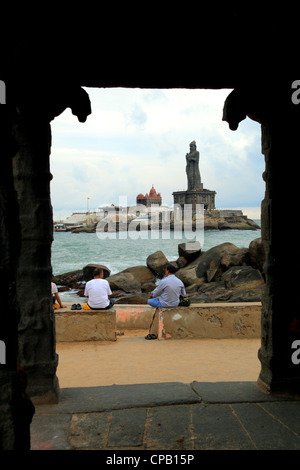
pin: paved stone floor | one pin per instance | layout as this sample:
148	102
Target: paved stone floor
168	416
138	395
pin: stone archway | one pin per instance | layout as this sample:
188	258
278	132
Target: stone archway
36	329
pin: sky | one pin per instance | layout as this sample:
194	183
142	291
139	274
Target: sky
136	138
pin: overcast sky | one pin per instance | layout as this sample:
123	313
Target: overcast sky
135	138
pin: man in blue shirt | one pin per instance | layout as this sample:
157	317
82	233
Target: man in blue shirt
167	293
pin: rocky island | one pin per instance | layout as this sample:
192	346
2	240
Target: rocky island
213	220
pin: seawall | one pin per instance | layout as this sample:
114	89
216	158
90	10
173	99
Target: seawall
206	320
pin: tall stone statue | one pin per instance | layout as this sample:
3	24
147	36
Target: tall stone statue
195	194
192	168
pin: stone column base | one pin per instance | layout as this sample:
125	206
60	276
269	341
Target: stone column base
43	385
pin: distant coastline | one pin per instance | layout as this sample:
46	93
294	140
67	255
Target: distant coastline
112	219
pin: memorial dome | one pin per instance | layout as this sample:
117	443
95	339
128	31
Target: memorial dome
152	193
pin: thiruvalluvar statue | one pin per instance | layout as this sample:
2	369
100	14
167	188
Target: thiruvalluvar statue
192	168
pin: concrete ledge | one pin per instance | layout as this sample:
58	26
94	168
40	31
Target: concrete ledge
209	320
214	321
85	325
134	317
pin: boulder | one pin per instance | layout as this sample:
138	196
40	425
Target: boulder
215	259
257	254
245	277
117	293
189	276
189	250
219	292
125	282
234	257
204	268
88	271
148	286
157	262
72	279
211	292
181	262
253	224
141	273
210	265
247	295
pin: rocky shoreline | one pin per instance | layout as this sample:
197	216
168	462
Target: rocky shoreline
224	273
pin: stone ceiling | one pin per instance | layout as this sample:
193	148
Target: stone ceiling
205	48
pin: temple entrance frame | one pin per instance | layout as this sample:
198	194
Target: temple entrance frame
27	234
278	373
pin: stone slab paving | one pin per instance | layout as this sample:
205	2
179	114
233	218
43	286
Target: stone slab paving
168	416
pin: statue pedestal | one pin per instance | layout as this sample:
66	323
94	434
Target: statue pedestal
194	197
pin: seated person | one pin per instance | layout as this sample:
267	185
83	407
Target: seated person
97	291
57	303
167	293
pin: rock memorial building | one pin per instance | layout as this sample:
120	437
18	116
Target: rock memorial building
151	199
195	194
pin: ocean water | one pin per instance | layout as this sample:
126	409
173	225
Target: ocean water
72	251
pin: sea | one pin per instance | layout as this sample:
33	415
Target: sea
118	251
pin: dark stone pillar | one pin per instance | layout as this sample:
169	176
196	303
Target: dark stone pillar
270	103
16	410
9	247
280	312
36	327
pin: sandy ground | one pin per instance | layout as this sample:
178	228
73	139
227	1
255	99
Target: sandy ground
132	360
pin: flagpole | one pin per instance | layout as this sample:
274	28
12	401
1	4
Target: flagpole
87	204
